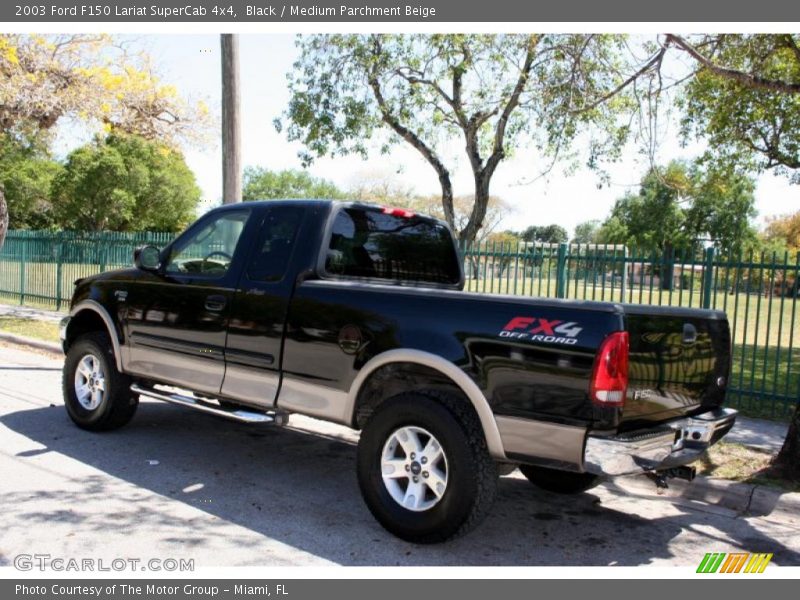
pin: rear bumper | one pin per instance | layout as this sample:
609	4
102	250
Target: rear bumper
670	445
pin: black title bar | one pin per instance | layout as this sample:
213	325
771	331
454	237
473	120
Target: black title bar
383	11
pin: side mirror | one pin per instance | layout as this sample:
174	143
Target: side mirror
147	258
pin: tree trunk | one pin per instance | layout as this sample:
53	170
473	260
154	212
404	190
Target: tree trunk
475	222
787	463
447	199
231	125
3	217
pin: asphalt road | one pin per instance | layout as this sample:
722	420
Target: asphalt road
179	484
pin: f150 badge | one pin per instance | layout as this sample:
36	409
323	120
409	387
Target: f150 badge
537	329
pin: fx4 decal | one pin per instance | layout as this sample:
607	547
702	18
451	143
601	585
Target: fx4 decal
537	329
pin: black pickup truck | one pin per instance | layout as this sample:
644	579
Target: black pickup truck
356	314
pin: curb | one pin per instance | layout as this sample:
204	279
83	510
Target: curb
745	499
49	347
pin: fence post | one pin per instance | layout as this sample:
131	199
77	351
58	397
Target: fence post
708	276
624	272
59	269
22	260
561	271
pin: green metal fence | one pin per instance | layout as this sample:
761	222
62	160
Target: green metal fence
759	292
39	267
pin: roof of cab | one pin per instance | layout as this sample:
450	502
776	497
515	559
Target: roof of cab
320	202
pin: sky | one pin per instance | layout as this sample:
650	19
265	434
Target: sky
191	62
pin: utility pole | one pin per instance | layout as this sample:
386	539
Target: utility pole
231	124
3	216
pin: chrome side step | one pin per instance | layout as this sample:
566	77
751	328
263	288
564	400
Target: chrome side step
241	415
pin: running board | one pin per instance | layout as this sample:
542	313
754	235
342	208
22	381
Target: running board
241	415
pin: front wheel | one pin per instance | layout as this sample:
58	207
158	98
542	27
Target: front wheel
96	394
423	467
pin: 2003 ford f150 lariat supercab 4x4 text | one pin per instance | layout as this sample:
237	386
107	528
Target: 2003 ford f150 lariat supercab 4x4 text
355	314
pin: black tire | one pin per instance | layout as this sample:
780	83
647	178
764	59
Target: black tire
560	482
118	403
471	473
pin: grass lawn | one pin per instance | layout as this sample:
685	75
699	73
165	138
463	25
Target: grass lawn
741	463
32	328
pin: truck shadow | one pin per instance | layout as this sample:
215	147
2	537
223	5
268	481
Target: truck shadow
299	488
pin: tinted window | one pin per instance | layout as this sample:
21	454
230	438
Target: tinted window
274	244
371	243
209	250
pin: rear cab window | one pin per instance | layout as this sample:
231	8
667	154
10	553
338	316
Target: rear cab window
391	245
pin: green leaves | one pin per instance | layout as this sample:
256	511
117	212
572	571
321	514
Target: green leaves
681	204
747	125
489	94
263	184
125	183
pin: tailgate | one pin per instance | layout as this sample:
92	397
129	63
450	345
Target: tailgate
679	363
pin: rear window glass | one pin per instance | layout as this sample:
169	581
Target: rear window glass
371	243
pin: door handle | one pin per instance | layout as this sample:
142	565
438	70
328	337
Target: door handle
215	303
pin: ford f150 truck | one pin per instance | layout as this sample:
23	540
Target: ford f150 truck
356	314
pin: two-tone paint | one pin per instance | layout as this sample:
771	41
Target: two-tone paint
311	342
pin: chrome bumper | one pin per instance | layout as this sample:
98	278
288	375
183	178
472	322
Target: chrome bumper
669	445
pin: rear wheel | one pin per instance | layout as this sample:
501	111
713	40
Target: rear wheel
97	396
560	482
423	467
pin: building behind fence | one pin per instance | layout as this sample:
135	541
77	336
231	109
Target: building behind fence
759	292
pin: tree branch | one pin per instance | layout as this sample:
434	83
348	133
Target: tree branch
747	79
413	139
498	152
653	62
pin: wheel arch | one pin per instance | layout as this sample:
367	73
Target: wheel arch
446	373
90	315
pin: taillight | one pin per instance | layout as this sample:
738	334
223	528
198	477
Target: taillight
610	375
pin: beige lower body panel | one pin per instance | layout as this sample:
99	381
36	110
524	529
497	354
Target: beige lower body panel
542	442
257	387
172	368
314	400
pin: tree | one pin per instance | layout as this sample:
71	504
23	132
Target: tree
744	99
44	79
680	204
91	79
586	232
495	92
548	234
262	184
125	183
784	229
26	174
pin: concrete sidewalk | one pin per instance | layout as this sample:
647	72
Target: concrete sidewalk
27	312
758	433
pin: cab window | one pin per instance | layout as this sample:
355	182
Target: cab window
209	250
